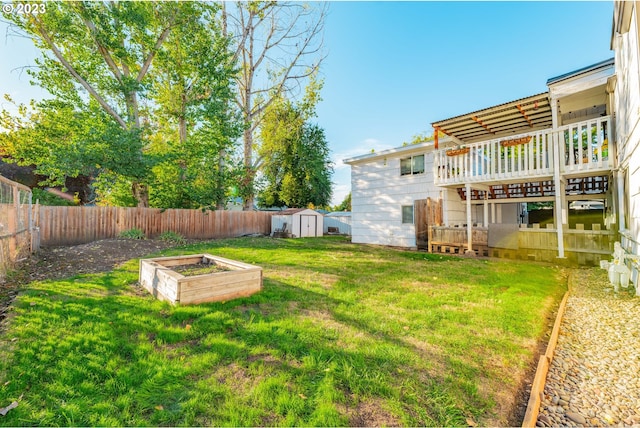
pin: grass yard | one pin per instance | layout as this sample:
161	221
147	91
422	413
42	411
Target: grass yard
342	334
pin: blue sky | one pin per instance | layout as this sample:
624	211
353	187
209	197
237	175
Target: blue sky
394	67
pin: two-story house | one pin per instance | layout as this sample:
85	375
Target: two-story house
493	161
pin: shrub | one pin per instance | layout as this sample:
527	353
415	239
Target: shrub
174	237
132	234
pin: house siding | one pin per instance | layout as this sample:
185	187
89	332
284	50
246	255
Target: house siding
378	192
627	103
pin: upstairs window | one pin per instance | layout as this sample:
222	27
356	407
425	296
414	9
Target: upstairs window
412	165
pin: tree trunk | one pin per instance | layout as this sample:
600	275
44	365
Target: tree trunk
220	203
248	159
141	193
182	131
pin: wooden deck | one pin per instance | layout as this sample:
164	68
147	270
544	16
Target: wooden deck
453	240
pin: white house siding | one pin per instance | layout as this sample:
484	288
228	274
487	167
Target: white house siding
627	102
378	192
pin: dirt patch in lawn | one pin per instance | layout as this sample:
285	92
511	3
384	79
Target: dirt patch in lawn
199	269
371	413
63	262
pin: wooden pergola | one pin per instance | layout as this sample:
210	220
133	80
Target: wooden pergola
522	115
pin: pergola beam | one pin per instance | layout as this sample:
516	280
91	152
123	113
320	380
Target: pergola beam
475	118
522	112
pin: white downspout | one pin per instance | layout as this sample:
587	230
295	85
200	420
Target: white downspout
621	200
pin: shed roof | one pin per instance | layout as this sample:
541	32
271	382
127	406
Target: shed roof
290	211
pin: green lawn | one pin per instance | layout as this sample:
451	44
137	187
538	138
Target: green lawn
342	334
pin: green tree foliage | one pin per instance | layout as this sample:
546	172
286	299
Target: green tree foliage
296	165
141	100
197	126
345	205
423	137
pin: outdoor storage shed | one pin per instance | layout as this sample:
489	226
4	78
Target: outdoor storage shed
297	223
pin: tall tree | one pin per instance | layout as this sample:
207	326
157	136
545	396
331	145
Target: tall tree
196	120
153	81
99	53
278	45
297	168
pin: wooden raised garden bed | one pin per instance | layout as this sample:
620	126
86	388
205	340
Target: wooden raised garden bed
199	278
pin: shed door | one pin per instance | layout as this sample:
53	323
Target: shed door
307	225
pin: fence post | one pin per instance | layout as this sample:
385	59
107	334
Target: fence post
34	227
13	224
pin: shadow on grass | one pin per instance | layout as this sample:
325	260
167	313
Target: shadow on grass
94	350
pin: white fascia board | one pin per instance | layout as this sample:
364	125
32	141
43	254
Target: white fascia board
581	82
398	151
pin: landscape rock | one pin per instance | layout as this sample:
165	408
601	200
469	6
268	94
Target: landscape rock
576	417
592	379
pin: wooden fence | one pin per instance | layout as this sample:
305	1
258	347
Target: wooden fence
426	213
446	239
582	247
77	225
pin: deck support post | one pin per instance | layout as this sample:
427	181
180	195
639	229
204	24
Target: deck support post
485	212
559	184
469	225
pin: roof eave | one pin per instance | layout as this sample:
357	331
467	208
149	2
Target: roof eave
408	149
585	70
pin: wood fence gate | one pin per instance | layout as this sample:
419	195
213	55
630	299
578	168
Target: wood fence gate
426	212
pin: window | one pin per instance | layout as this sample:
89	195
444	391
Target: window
407	214
412	165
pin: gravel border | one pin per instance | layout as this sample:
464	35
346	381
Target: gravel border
593	378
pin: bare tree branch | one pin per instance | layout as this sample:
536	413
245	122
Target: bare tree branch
72	71
101	48
271	38
147	63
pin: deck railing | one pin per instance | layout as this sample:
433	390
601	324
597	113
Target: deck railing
582	147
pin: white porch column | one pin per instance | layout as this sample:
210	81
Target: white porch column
469	225
558	206
485	213
493	213
620	205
